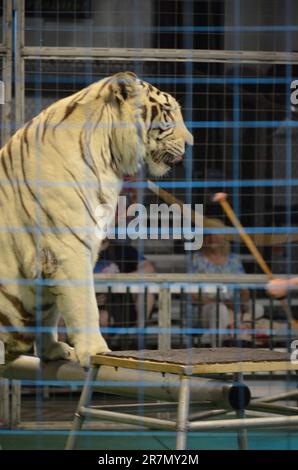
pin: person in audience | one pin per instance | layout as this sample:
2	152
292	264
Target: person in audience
215	257
125	309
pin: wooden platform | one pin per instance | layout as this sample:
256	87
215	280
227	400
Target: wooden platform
199	360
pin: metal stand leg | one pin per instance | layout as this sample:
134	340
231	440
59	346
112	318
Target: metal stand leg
241	433
15	409
4	402
84	401
183	410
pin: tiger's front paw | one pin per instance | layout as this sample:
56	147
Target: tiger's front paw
84	351
59	350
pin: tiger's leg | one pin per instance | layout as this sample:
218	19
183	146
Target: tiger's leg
82	322
14	321
49	348
76	302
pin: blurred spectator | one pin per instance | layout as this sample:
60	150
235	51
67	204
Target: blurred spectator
124	309
215	257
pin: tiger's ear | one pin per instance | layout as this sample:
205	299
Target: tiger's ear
124	86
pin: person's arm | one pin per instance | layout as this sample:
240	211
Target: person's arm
279	287
145	266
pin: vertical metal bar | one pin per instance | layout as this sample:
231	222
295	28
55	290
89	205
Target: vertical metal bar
146	313
7	73
164	319
110	308
142	338
253	325
182	315
289	145
235	300
127	309
109	299
188	20
4	402
141	306
19	63
46	392
189	320
200	306
271	302
183	411
241	433
84	401
236	148
15	409
216	321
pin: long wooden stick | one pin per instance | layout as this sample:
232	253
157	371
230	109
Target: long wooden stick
222	199
262	239
170	199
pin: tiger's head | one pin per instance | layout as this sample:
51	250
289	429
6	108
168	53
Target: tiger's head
151	128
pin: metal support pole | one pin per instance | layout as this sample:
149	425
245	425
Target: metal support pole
15	405
207	414
4	402
241	433
7	73
83	402
172	55
231	424
136	420
20	64
183	411
280	396
164	319
271	408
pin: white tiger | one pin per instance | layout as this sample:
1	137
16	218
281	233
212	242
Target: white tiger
54	173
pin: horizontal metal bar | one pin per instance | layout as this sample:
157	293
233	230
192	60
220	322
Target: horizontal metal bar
159	407
195	404
143	407
180	278
244	423
190	282
258	414
170	55
282	409
207	414
281	396
3	50
127	418
135	406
